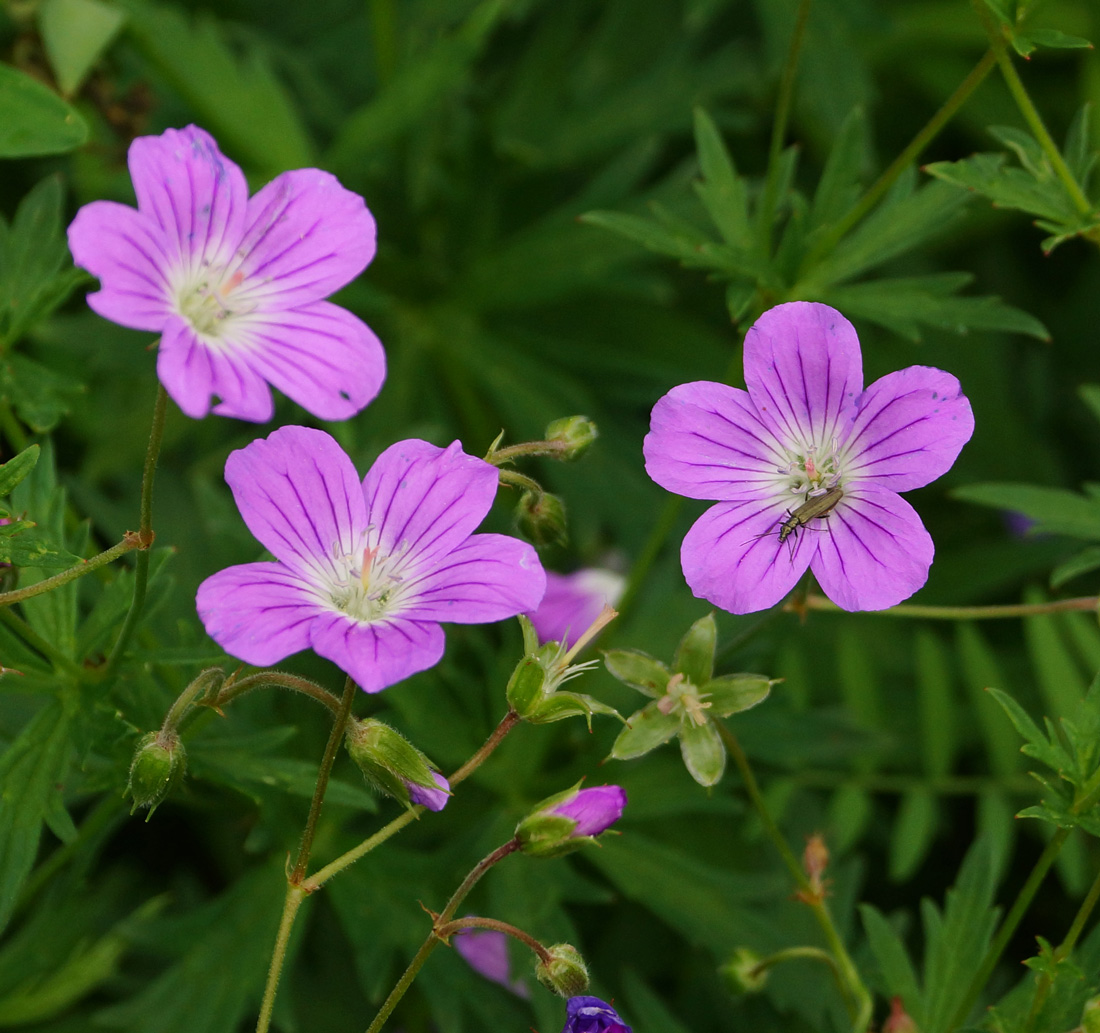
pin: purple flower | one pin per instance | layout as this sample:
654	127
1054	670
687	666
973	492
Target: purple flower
433	799
235	287
486	952
573	601
591	1015
806	466
594	810
363	574
566	821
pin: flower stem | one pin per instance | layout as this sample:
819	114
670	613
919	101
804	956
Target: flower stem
433	938
527	448
145	532
857	998
954	613
294	897
448	929
234	689
129	542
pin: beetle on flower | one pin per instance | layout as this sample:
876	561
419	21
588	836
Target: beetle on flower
235	286
806	428
363	574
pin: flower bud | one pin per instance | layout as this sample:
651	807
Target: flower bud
568	820
575	432
742	973
591	1015
565	973
393	766
540	518
159	763
898	1021
525	687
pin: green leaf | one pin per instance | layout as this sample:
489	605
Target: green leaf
733	693
1084	562
1038	745
938	706
1080	154
1026	42
722	190
703	752
638	670
893	961
645	731
75	34
1055	510
913	833
850	811
838	189
981	670
1006	187
1056	668
562	705
36	121
694	657
31	768
38	394
16	468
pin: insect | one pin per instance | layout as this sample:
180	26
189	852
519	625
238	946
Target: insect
819	506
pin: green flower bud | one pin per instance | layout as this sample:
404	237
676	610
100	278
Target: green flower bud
565	973
742	973
575	432
566	821
524	691
540	518
393	766
159	763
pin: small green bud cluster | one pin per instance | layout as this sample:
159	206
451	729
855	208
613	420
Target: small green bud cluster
540	518
576	433
565	973
743	973
159	763
393	766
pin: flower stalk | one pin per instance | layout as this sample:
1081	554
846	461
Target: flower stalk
1087	604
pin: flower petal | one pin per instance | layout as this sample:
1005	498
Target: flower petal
875	553
731	557
126	251
299	494
573	601
307	236
487	578
802	368
192	371
909	430
706	441
195	194
427	499
257	612
319	355
380	654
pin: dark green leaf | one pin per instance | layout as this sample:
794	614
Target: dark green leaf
1055	510
36	120
838	188
893	961
914	830
734	693
722	190
75	34
16	468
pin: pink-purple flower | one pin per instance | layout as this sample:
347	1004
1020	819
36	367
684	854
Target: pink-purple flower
363	573
486	952
435	799
594	810
591	1015
573	601
771	456
235	286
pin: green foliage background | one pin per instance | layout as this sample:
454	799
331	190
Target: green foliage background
520	157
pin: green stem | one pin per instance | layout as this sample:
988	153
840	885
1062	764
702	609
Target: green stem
294	897
12	430
233	690
58	660
130	542
496	737
1031	113
782	117
923	138
445	931
145	532
206	679
650	551
512	478
857	998
527	448
799	953
956	613
1008	927
433	940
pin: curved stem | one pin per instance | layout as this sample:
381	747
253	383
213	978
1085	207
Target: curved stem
206	679
857	997
496	737
527	448
141	568
130	541
448	929
233	690
954	613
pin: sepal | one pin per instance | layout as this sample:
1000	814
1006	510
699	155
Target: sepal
393	766
159	763
565	973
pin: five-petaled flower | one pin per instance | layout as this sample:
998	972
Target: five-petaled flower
591	1015
363	574
235	286
806	432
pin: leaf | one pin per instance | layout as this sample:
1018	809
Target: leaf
850	811
1055	510
1006	187
838	188
1025	42
1038	744
31	767
16	468
1056	669
39	395
913	833
75	34
938	707
36	121
893	961
981	670
1084	562
722	190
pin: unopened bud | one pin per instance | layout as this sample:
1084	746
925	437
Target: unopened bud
565	973
568	820
524	691
743	973
159	763
576	433
899	1020
540	518
393	766
815	859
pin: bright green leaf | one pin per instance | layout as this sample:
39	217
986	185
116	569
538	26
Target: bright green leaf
36	120
16	468
75	34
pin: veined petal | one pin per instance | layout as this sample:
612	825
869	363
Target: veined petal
427	499
380	654
192	371
909	429
732	558
706	441
487	578
875	552
319	355
193	192
299	494
307	236
258	612
802	368
126	251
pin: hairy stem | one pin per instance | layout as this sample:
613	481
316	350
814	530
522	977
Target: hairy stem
956	613
448	929
234	689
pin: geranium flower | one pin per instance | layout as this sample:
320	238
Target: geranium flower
573	601
363	574
234	286
806	431
486	952
591	1015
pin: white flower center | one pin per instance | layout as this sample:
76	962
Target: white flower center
206	301
812	471
373	585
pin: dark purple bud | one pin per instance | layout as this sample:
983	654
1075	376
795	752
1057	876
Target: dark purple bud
433	799
591	1015
594	810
